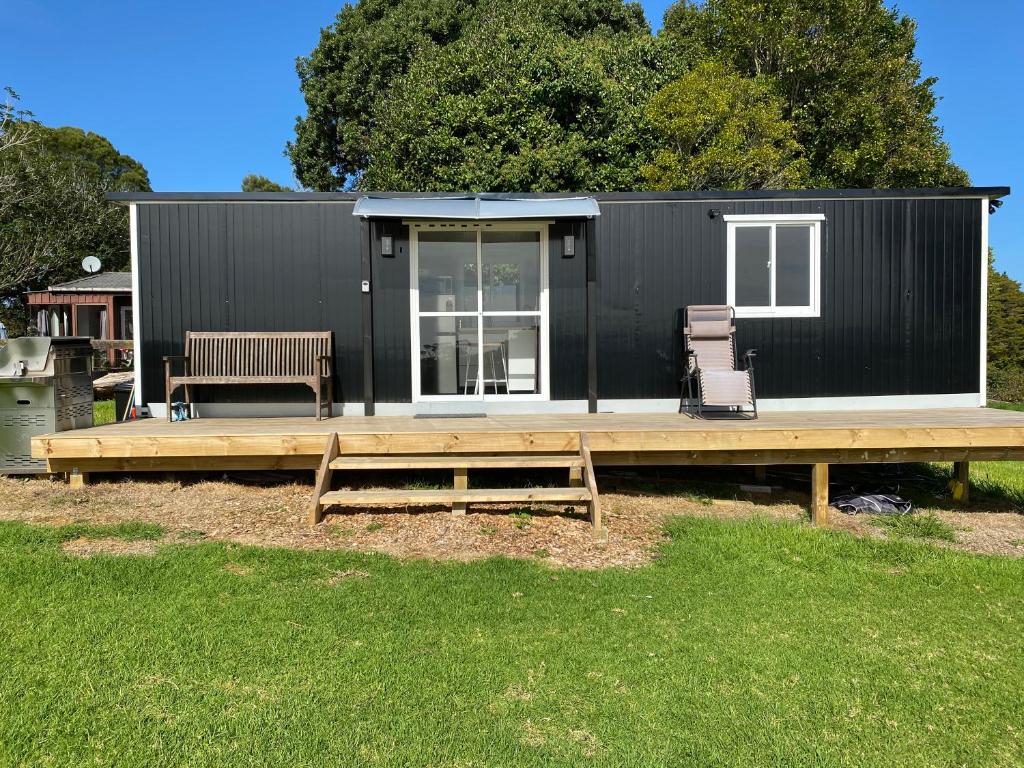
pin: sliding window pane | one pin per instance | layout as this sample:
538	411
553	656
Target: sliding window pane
753	270
793	266
511	271
447	271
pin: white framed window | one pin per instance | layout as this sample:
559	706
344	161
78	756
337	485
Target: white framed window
774	264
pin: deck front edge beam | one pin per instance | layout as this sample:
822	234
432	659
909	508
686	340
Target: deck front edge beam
727	440
652	458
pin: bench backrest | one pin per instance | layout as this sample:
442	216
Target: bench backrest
241	354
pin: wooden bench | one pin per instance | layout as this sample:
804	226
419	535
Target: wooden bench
213	357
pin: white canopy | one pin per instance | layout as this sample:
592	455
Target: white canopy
476	207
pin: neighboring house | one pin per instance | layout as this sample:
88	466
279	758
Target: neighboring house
855	299
98	306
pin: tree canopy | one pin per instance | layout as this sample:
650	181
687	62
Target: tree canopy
379	56
253	182
719	130
579	94
53	210
516	104
848	77
1005	335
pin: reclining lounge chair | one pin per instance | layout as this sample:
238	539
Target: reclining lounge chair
711	377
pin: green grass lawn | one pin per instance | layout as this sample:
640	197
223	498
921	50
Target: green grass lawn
103	412
1006	406
746	643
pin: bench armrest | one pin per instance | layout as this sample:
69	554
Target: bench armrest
169	360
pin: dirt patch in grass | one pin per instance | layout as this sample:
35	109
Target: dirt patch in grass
276	516
636	505
337	577
987	533
83	547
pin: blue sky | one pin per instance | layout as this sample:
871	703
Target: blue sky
203	93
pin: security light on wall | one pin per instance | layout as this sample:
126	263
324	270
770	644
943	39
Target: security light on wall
386	245
569	245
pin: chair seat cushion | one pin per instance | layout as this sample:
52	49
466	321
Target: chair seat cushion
725	388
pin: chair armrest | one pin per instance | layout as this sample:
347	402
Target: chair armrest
748	357
691	359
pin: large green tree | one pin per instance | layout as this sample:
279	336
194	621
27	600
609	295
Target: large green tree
53	210
847	73
517	105
719	130
1005	335
378	54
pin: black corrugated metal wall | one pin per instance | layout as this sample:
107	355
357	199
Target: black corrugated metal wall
900	298
249	267
900	294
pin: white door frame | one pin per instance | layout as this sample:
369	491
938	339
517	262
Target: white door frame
544	378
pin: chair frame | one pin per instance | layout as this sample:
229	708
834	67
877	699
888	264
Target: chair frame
691	395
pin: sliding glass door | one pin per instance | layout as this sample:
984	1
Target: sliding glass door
479	311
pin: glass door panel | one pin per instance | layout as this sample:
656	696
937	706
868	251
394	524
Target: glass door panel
447	271
511	355
511	271
447	355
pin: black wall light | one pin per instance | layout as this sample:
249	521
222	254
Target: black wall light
386	245
714	213
568	245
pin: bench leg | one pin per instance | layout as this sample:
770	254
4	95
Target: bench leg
330	398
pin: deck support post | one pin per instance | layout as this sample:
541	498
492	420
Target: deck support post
575	477
960	485
77	480
819	494
461	484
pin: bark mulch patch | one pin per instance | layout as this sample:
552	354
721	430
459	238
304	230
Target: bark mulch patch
636	508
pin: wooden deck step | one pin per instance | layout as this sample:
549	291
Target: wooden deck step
401	497
455	461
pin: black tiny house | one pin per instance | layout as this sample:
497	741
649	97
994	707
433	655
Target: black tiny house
855	299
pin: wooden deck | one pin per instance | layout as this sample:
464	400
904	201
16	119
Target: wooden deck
615	439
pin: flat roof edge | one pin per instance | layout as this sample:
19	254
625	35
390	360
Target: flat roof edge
994	193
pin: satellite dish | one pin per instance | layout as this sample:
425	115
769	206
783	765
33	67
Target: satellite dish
91	264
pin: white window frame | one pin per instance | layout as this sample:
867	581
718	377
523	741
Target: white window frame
814	221
544	378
